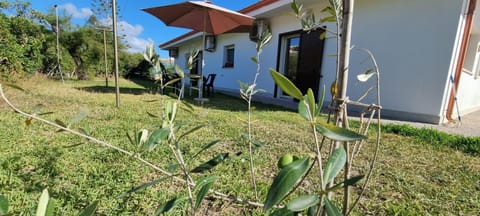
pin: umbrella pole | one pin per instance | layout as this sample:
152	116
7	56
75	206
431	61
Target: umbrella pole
200	98
200	82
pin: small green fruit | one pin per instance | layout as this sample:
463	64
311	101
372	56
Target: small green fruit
285	160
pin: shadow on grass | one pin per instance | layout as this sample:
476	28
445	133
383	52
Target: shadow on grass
230	103
111	89
142	86
144	82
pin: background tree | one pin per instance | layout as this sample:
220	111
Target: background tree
22	40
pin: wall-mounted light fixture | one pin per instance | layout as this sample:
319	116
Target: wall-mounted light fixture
210	43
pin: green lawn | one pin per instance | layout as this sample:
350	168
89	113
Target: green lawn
413	177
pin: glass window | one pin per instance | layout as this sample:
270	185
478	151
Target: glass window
229	56
290	53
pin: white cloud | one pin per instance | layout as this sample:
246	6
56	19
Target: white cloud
132	33
76	13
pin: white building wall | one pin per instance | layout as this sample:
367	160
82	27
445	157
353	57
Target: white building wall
412	41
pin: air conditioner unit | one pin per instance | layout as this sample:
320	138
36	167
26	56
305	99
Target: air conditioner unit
258	27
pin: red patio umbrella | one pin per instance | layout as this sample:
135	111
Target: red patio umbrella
202	16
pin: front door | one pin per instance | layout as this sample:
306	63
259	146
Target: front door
301	55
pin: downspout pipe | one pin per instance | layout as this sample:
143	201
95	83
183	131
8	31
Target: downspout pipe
461	58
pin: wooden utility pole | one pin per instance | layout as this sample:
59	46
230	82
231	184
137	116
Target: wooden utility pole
105	55
115	52
105	52
57	33
104	29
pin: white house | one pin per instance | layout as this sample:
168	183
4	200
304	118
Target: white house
419	47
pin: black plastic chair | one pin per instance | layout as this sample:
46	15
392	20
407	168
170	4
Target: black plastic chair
208	84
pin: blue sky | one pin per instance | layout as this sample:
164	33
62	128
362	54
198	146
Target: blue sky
139	27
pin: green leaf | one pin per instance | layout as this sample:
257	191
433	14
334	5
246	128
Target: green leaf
312	211
142	137
320	102
329	10
258	144
286	85
337	133
189	108
171	110
301	203
205	147
158	136
89	210
303	110
364	77
153	115
311	101
191	131
80	116
204	186
43	204
50	208
285	181
143	186
282	212
173	167
254	59
169	205
172	81
348	182
179	71
14	86
133	142
323	35
366	93
295	7
329	19
332	210
353	180
3	205
85	130
334	165
211	163
266	38
61	123
151	101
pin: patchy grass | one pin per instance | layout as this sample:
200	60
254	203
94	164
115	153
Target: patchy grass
414	176
469	145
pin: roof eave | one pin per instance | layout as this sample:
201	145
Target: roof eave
253	10
181	39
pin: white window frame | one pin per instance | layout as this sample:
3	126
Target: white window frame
476	63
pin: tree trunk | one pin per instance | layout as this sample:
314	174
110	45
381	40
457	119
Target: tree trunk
341	106
81	74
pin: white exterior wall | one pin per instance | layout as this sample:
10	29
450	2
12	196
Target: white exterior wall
244	69
412	41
